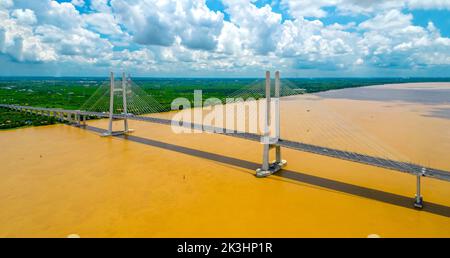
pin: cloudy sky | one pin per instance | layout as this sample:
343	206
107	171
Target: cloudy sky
225	38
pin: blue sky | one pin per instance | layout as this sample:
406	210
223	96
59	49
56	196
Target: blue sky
225	38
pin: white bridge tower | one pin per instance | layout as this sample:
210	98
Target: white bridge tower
269	141
113	90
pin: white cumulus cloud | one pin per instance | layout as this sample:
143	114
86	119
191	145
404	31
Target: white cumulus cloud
173	36
162	22
26	16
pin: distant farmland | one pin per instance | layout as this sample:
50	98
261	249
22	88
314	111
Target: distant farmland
72	93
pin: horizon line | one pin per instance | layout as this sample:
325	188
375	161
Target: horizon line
242	77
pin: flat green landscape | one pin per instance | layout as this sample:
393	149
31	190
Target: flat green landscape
72	93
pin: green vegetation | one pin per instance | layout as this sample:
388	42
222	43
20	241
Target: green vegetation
14	119
166	90
66	94
72	93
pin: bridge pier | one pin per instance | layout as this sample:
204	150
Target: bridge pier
78	118
111	106
125	107
267	168
69	118
418	200
84	124
123	89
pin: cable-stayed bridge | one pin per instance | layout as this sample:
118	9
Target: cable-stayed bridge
130	102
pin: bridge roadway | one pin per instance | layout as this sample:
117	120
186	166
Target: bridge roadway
339	154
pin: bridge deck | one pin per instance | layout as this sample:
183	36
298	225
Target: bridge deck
339	154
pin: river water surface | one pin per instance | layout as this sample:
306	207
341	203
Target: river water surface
60	180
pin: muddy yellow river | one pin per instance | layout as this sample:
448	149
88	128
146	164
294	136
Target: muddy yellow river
57	181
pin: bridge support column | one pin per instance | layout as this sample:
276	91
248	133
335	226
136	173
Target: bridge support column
77	119
125	108
418	200
269	143
84	121
277	119
123	89
111	106
69	118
